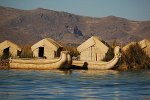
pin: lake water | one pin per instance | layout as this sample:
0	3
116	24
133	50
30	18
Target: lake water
74	84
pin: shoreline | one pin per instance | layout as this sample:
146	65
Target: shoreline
4	65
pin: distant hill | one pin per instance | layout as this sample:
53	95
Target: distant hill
29	26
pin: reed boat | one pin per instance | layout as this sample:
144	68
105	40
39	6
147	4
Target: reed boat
99	65
41	64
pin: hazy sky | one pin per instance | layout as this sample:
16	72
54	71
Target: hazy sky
131	9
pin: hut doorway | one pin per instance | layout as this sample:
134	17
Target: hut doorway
6	53
41	51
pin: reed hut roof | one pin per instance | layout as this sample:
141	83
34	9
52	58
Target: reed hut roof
47	41
128	45
5	44
90	42
144	43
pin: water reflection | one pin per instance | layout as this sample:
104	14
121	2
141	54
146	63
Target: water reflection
74	84
98	72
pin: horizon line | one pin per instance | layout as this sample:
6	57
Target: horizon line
72	13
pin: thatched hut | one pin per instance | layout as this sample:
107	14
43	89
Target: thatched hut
46	48
145	45
92	50
8	48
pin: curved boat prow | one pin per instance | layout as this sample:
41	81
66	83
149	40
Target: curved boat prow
68	62
69	59
117	51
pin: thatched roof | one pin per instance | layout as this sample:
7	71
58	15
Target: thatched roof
90	42
128	45
7	44
144	43
47	41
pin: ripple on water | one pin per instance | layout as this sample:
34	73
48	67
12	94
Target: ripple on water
91	84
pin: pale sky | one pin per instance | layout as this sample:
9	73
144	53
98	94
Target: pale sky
130	9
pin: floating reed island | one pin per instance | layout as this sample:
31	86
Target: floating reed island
93	54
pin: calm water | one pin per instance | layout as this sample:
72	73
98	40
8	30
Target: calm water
83	85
